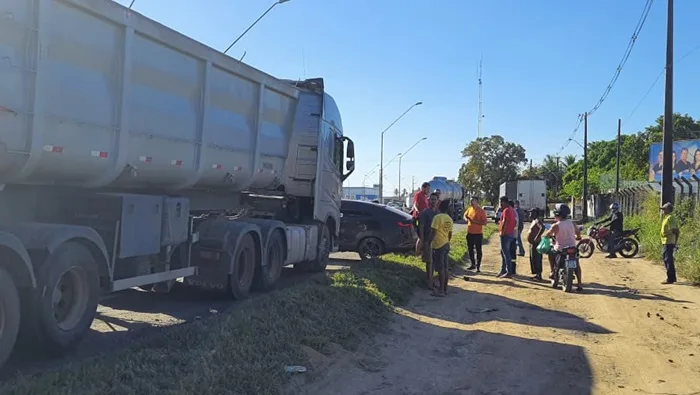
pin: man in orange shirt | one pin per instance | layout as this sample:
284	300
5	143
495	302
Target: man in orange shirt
506	227
476	219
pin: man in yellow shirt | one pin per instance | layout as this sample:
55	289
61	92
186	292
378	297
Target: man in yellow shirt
670	232
476	219
440	242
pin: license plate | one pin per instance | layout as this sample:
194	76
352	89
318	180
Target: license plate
571	264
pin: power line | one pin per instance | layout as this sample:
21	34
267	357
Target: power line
656	81
625	57
616	75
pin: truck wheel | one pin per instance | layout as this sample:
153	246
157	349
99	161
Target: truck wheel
323	253
268	276
69	289
244	262
9	315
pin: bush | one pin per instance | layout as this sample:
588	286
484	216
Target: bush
649	221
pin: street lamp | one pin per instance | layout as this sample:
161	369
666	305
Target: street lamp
381	154
401	157
255	23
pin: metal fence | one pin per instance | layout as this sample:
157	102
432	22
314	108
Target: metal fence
632	198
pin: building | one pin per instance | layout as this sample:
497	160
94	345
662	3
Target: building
361	193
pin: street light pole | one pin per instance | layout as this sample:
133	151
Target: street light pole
255	23
401	157
381	152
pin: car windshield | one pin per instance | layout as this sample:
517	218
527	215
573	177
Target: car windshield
488	208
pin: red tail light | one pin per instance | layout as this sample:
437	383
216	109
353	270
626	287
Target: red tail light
404	225
571	251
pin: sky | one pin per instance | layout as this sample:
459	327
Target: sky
544	62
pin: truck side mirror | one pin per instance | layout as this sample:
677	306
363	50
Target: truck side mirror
350	151
350	156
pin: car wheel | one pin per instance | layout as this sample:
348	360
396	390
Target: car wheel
370	248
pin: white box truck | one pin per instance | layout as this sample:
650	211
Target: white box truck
531	193
131	155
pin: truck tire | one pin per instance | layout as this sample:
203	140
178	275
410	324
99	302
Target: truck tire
268	275
68	289
244	262
9	315
323	253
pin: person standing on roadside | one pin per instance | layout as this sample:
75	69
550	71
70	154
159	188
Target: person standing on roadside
420	202
425	221
440	241
534	236
521	226
476	219
514	242
670	233
506	226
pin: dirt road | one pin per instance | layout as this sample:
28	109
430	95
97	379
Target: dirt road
625	334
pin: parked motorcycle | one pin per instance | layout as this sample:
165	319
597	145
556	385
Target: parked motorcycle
627	244
567	264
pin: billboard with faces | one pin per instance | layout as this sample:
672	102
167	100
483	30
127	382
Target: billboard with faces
686	160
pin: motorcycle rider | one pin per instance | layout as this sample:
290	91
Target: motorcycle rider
615	224
565	233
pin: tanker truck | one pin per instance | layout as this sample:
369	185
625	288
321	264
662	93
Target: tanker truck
449	190
134	156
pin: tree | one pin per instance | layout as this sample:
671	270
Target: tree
551	170
684	128
634	156
490	162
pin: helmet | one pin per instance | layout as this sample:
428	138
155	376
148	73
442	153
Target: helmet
562	211
614	207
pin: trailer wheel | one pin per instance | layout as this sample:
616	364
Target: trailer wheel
69	289
268	275
9	315
244	262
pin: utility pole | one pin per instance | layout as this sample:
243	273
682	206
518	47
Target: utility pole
557	181
617	168
531	168
585	167
667	190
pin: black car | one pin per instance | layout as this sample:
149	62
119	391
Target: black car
373	229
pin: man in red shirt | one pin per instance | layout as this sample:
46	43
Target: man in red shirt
421	200
506	227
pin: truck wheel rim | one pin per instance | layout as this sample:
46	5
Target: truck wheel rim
70	299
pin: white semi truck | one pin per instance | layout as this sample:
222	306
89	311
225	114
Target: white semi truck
134	156
532	194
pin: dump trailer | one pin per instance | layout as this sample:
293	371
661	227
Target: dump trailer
134	156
